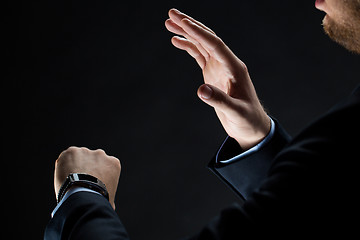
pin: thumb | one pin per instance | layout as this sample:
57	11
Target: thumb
214	97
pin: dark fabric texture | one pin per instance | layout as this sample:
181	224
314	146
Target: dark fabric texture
247	173
310	189
299	188
85	215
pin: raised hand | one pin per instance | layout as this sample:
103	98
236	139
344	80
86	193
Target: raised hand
228	87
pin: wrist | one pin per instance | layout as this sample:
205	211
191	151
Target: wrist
254	135
82	180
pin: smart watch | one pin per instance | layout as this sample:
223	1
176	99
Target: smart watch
82	180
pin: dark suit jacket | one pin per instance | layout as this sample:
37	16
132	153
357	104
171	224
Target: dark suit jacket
301	187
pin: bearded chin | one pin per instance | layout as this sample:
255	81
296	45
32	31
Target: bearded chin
346	34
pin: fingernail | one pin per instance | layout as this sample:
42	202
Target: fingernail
206	92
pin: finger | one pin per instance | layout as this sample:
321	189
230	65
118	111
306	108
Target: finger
190	47
218	99
177	16
174	28
207	39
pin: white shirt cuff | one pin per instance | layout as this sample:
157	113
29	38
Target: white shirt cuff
253	149
68	194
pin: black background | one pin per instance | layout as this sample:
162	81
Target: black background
103	74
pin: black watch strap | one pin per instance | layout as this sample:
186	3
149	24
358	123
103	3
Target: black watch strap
82	180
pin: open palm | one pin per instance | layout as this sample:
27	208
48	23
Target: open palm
228	87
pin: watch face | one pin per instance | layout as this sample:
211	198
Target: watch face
84	180
83	176
88	178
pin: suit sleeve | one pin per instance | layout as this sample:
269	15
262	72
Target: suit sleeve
85	215
308	188
244	175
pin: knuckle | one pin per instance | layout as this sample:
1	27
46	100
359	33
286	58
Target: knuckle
115	163
217	44
72	149
218	41
67	155
100	152
84	149
244	66
69	151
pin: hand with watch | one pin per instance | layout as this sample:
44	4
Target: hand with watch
86	168
82	180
